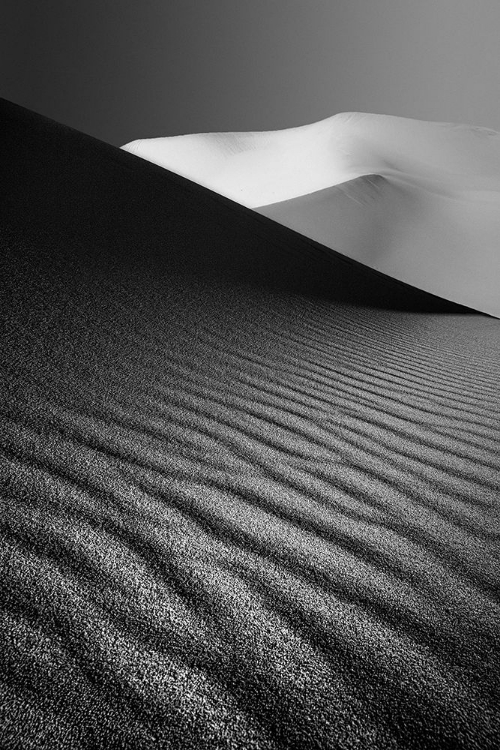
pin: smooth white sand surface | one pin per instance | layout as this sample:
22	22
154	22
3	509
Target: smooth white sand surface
419	201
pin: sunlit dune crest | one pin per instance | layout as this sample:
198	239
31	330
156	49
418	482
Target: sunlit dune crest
419	201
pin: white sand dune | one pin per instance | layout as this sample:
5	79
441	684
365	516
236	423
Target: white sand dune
419	201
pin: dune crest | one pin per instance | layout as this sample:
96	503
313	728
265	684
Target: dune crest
418	201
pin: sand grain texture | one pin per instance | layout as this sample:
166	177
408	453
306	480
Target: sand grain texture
250	489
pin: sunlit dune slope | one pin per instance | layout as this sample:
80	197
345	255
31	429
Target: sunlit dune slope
249	487
426	209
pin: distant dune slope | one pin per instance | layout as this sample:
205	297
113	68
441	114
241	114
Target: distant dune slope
432	221
250	488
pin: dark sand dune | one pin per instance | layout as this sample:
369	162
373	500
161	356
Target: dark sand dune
395	227
250	489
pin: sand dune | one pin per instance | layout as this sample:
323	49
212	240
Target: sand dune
427	210
250	488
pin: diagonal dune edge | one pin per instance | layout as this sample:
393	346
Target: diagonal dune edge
418	201
249	486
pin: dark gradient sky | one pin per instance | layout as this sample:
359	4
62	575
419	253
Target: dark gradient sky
120	70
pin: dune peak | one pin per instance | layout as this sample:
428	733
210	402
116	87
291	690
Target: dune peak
434	222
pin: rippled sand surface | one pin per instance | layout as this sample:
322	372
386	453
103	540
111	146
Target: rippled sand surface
250	488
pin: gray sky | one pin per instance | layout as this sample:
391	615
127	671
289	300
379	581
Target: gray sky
123	69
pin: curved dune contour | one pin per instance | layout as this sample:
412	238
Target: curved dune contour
418	201
249	489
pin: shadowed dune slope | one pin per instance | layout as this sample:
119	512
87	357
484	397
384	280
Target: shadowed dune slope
417	200
250	489
419	235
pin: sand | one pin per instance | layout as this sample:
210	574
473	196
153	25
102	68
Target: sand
250	487
419	201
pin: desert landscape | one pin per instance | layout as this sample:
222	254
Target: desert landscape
250	444
419	201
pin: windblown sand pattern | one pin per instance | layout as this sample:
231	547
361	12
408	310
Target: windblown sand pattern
250	488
